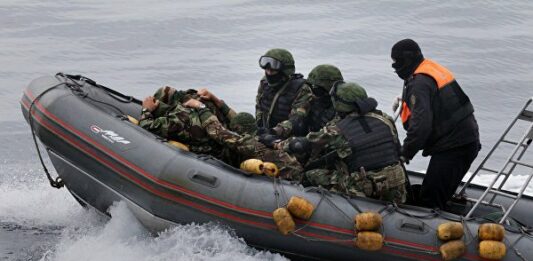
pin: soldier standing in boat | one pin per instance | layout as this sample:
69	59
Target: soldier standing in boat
439	119
358	152
283	98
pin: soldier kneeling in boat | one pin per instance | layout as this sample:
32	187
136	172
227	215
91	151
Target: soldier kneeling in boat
358	152
213	129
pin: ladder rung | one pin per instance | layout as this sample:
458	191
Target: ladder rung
501	193
526	115
513	142
486	203
494	171
489	170
522	163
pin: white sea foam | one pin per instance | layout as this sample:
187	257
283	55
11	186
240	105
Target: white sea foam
74	233
514	183
124	238
37	204
87	235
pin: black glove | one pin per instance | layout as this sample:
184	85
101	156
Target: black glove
269	139
299	145
404	160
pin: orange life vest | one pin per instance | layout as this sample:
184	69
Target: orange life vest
451	104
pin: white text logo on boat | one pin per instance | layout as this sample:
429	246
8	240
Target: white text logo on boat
109	135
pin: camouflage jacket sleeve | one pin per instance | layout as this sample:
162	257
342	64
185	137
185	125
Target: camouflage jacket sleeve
161	109
167	126
228	112
300	109
245	145
168	97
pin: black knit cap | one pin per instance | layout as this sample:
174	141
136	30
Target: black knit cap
408	56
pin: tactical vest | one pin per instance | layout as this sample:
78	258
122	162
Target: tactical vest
449	107
321	113
373	141
283	106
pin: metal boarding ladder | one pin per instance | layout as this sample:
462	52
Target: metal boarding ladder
526	114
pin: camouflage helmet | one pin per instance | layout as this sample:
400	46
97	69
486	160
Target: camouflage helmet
285	57
344	96
243	123
324	76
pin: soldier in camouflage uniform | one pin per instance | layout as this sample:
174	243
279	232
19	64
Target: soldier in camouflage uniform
169	115
241	142
321	79
358	152
191	122
245	145
283	97
167	97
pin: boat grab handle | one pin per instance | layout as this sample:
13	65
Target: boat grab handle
204	179
412	226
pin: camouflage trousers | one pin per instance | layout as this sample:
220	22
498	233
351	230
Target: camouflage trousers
387	184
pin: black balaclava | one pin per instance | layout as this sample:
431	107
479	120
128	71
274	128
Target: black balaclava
276	80
408	56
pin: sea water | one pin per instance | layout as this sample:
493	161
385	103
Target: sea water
137	46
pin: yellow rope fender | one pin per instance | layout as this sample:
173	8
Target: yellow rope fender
300	207
368	221
367	225
491	231
270	169
283	220
254	166
490	235
450	231
178	145
493	250
452	249
133	120
368	240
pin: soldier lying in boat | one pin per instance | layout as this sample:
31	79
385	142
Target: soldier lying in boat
356	153
181	116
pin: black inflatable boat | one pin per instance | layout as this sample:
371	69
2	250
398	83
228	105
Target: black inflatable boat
101	157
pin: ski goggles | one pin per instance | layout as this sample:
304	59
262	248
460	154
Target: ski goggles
269	62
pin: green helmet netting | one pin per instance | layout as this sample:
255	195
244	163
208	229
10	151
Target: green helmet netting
324	76
243	123
345	96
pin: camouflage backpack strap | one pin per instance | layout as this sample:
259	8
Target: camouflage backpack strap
260	93
274	102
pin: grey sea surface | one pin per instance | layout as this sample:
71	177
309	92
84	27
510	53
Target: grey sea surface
137	46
